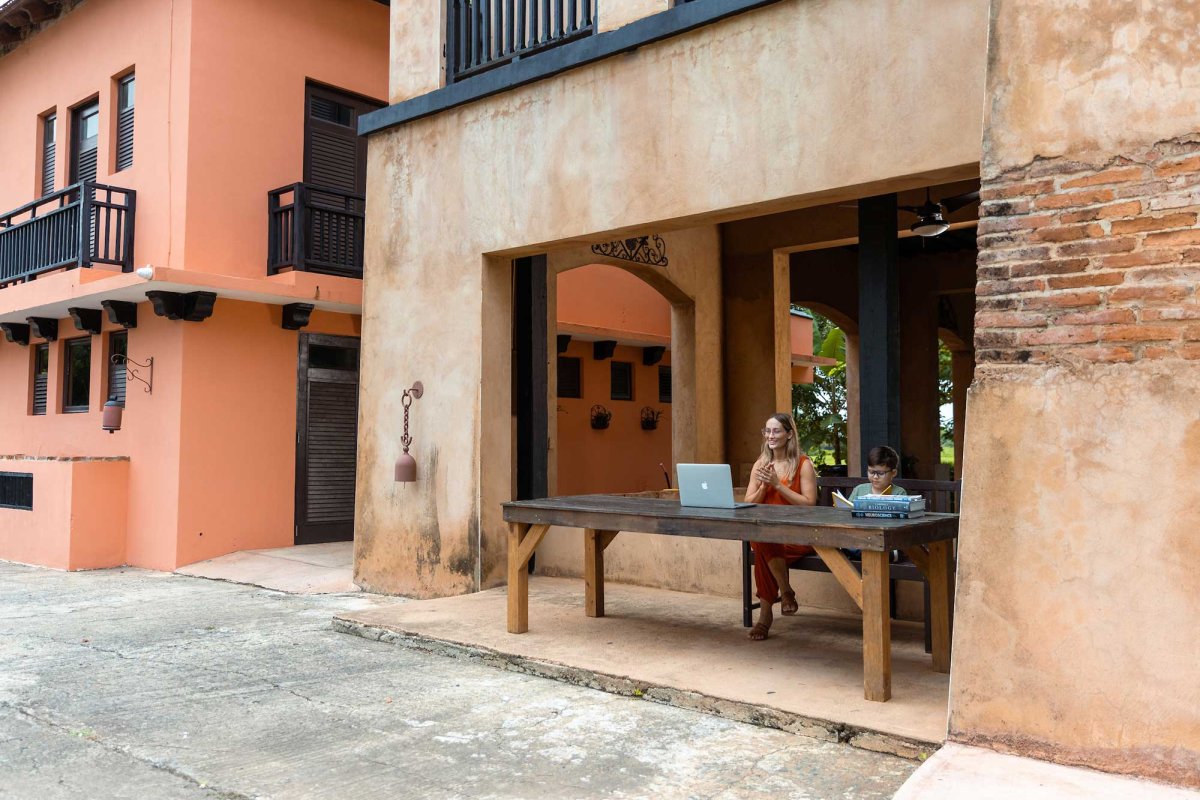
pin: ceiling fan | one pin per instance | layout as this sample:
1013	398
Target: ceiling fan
930	221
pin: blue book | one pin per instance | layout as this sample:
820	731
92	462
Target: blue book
889	502
888	514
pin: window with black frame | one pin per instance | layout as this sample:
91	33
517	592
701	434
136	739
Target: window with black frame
77	374
41	374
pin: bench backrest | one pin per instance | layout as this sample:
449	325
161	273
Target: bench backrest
941	496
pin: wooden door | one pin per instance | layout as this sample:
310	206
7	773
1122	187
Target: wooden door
326	439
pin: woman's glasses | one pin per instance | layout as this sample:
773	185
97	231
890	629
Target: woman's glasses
773	432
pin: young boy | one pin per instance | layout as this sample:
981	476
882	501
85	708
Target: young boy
882	463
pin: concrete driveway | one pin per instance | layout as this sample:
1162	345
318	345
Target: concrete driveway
135	684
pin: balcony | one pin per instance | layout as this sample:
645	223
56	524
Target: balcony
315	229
80	226
483	34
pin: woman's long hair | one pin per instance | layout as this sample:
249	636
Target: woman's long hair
791	449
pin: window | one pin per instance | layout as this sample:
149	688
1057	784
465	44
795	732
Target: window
48	150
85	135
16	490
664	384
118	345
41	371
622	380
569	384
125	96
77	374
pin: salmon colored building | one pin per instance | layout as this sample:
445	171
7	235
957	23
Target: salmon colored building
182	187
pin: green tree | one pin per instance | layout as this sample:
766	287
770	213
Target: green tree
820	407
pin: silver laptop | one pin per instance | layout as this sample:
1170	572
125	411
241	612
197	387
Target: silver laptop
706	486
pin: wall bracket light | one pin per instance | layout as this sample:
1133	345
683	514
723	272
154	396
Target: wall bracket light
117	358
406	465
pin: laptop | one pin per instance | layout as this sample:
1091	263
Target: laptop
706	486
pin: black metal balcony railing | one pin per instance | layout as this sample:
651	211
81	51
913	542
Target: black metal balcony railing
482	34
314	229
84	224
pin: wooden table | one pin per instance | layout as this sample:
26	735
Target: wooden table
926	541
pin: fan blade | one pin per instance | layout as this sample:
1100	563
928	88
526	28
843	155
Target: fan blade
911	209
952	204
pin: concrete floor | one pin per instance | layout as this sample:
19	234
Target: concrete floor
691	650
306	569
134	684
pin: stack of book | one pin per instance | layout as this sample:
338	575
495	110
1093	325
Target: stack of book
889	506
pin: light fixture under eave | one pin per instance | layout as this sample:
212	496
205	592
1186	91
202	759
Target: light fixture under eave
930	225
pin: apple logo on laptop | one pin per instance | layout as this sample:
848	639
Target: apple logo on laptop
704	485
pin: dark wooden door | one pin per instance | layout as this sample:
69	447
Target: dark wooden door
327	438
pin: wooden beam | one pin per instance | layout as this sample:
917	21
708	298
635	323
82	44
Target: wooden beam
877	627
878	324
593	572
531	376
941	602
844	571
920	557
531	541
523	539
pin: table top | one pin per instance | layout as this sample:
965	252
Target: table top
814	525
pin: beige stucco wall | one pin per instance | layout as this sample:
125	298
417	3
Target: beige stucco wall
1076	630
729	120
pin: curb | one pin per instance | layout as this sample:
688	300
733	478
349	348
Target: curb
738	711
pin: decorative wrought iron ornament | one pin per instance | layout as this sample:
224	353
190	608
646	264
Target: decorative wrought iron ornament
650	250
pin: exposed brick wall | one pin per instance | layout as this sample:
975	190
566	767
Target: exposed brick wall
1101	265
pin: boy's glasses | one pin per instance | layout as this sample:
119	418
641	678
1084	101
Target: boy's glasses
876	473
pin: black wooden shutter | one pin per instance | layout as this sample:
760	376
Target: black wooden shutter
118	345
569	383
125	101
664	384
334	155
41	371
85	130
331	445
48	149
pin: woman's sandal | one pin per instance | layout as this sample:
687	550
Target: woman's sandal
788	605
759	631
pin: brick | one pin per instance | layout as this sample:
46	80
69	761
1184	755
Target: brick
985	339
1187	276
1190	164
1039	253
1005	208
1115	175
1191	333
1089	197
1010	319
1053	267
1010	287
1105	353
1140	258
1006	240
1151	189
1069	233
1062	335
1190	351
1129	208
1174	200
1157	223
1002	224
1108	316
1158	351
1149	294
996	303
1173	238
1139	333
1177	314
1111	244
1023	189
992	273
1062	300
1086	279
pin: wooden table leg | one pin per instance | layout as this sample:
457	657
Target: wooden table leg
594	544
941	602
523	540
877	627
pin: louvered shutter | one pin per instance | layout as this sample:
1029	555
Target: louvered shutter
664	384
41	372
622	380
85	135
118	346
125	102
49	146
331	451
569	377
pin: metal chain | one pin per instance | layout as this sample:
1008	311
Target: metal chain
406	401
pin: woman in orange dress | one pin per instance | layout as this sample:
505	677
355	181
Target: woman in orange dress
782	475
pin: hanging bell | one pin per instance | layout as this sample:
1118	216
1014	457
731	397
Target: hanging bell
406	468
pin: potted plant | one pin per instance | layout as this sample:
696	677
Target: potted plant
601	416
650	418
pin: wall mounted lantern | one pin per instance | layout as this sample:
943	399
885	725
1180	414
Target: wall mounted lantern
406	465
650	418
114	409
601	416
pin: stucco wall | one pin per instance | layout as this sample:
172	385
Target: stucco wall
729	120
1076	628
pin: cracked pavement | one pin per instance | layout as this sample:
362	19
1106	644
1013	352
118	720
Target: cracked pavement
135	684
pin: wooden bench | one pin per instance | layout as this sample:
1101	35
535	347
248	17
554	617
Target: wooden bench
941	496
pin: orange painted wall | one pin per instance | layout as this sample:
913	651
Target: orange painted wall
608	299
238	444
622	458
246	131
